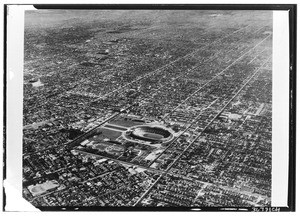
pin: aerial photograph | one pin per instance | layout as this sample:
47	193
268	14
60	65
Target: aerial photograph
147	108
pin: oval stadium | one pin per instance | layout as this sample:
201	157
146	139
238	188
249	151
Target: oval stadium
149	133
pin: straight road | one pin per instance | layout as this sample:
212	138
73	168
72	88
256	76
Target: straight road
172	164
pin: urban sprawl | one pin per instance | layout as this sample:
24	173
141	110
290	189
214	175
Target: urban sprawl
147	108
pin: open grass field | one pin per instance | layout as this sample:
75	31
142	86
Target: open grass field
125	123
103	133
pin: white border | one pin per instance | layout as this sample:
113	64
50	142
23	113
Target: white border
14	108
280	112
150	2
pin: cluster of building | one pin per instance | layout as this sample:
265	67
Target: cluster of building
234	150
83	180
